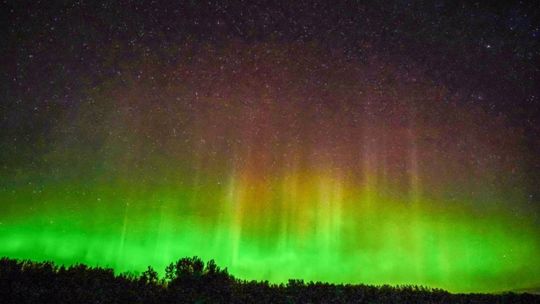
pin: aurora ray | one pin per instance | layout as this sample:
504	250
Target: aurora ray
279	160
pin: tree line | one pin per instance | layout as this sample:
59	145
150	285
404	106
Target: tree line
191	280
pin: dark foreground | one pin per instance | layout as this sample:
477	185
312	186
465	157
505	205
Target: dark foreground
191	281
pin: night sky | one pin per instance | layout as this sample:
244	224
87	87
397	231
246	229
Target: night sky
385	142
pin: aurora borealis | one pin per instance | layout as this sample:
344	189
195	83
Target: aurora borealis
278	156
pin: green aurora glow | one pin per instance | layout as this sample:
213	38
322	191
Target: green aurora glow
395	245
377	190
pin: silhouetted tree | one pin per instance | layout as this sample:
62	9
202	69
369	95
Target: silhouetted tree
190	280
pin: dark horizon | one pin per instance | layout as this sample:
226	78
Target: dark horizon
193	280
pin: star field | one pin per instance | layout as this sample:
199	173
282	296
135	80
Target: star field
361	143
